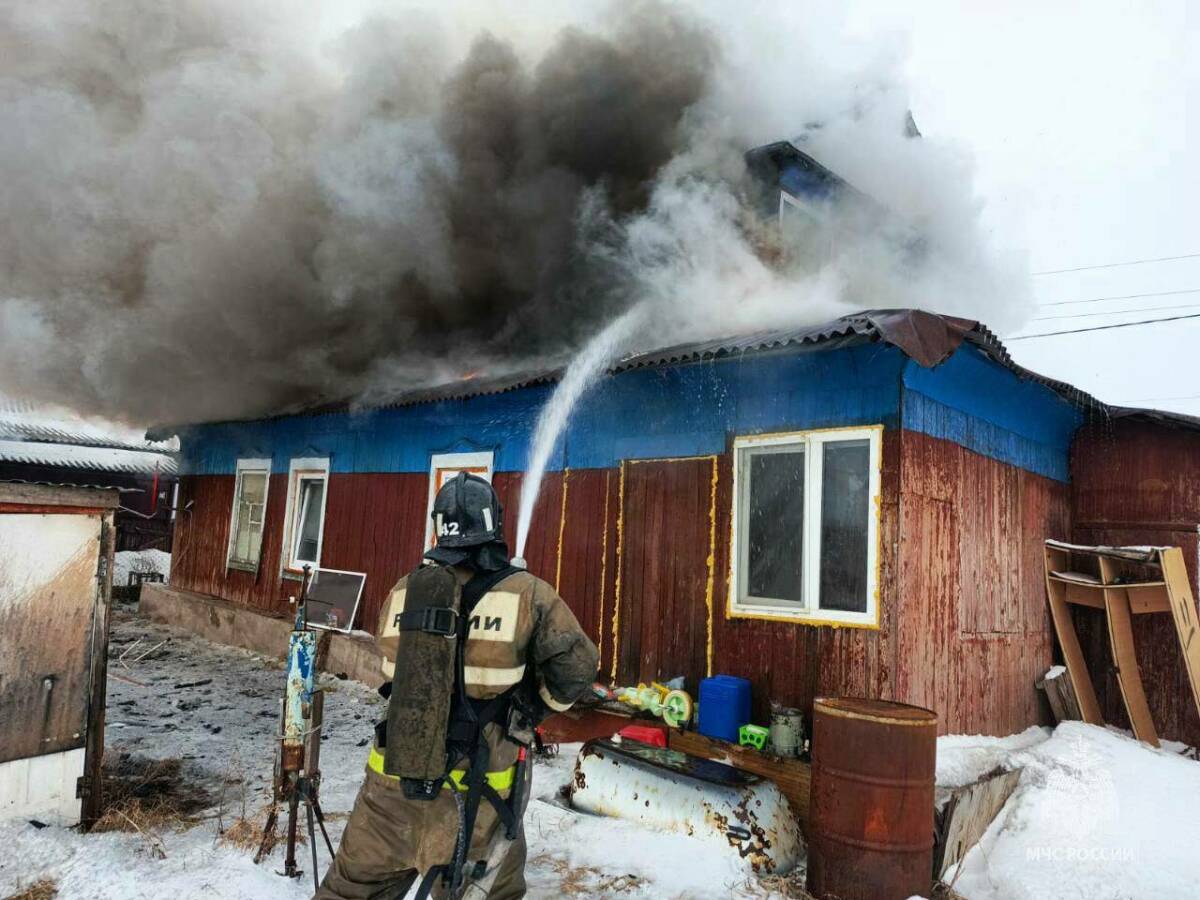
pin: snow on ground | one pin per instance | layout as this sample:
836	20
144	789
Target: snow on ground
1096	815
126	561
223	730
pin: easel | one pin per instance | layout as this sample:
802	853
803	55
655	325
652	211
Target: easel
297	762
1131	581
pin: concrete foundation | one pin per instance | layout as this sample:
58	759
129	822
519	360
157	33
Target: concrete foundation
349	655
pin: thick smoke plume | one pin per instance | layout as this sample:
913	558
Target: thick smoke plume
218	208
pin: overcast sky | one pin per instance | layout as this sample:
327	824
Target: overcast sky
1078	117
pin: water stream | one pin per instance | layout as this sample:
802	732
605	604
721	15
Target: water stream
579	375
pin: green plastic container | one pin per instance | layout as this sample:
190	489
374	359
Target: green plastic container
753	736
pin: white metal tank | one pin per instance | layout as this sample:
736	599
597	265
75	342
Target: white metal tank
673	791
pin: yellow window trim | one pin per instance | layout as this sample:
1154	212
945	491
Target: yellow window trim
814	619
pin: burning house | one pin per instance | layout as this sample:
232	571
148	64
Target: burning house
851	508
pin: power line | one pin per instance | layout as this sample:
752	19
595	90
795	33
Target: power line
1117	312
1025	337
1159	399
1125	297
1132	262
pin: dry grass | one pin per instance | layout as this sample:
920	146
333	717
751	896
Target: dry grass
46	889
148	795
587	881
248	833
790	885
245	834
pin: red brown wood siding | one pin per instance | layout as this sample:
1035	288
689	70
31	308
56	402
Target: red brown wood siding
587	572
1139	483
973	631
373	524
663	607
963	623
202	541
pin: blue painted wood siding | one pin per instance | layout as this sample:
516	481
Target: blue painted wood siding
985	407
687	410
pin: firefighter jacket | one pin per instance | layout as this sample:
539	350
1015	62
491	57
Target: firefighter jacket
520	633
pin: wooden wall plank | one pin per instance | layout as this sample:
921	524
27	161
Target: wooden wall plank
974	651
666	534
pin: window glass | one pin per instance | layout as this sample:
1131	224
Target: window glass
252	491
775	525
845	512
805	230
308	531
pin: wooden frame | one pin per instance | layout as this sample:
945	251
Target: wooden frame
1161	585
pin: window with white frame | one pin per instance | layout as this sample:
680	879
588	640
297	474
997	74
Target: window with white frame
442	468
308	483
248	514
806	524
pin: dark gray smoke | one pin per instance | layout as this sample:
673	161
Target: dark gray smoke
194	225
215	209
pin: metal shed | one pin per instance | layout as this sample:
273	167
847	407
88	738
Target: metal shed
56	547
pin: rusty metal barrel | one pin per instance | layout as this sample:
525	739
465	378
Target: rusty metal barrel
871	829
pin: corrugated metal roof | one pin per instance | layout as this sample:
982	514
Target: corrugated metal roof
68	484
21	420
942	333
73	456
40	436
927	338
859	327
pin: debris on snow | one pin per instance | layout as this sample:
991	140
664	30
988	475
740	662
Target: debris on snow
147	795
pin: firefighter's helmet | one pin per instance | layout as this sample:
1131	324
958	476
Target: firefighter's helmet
467	513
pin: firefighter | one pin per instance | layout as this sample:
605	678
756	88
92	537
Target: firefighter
477	652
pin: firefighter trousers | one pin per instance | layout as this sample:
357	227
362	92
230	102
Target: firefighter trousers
391	841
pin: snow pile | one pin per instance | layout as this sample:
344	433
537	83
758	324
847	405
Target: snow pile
1096	815
962	759
126	561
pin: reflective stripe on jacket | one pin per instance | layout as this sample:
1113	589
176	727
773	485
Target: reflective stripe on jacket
500	781
521	621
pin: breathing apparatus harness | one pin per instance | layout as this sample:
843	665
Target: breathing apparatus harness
439	723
